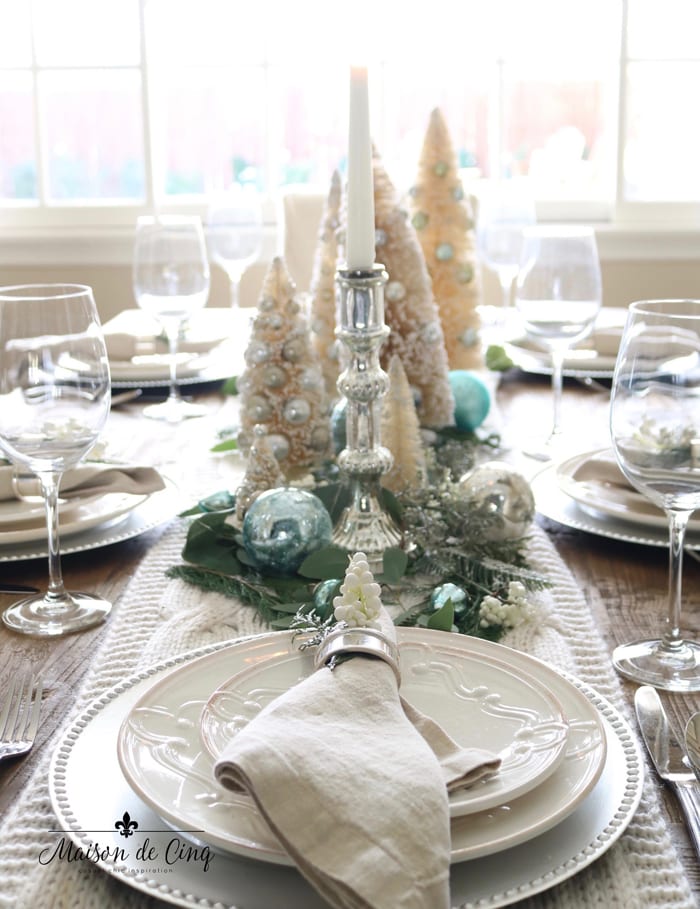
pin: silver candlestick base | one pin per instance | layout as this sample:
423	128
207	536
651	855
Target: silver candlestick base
364	526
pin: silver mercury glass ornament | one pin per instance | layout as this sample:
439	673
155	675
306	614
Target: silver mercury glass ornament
364	526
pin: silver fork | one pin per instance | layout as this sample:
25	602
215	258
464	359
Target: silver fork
19	716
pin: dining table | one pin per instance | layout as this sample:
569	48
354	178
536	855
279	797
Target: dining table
607	591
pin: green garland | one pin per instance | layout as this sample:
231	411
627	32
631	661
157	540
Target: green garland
445	541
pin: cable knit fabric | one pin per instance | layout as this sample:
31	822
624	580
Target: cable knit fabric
157	618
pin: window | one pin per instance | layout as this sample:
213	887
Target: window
109	107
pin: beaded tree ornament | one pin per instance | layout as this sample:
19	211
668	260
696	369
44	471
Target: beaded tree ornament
410	309
262	472
323	289
281	387
444	222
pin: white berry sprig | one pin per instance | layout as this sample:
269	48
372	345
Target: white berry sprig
358	604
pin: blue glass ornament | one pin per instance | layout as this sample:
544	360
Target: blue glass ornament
472	399
339	425
448	591
324	594
282	527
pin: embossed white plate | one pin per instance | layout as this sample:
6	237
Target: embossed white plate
163	759
478	701
87	804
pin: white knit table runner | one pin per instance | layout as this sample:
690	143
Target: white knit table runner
157	618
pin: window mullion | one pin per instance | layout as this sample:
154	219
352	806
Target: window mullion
622	110
146	112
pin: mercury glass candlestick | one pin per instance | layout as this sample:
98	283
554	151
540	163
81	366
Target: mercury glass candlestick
364	526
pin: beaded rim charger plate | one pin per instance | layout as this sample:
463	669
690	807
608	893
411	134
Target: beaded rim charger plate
88	804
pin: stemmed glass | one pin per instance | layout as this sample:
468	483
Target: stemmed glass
234	233
171	282
655	431
503	214
558	296
54	401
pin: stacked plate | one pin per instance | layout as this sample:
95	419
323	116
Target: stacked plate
85	521
569	783
210	348
589	492
594	357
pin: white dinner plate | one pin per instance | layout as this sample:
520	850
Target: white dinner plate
18	513
162	756
552	502
153	510
477	700
88	805
86	513
609	497
594	357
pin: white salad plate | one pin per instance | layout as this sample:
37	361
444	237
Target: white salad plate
165	762
88	805
476	700
608	494
17	514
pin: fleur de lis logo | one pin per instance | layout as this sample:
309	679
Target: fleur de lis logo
126	826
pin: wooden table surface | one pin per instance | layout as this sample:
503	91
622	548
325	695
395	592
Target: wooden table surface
625	584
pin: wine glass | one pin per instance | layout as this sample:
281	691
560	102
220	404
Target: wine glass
54	401
235	233
558	296
504	211
171	282
655	431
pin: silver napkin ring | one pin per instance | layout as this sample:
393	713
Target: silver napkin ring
358	640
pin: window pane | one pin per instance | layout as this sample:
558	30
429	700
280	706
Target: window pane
559	130
15	38
668	30
663	133
93	134
209	128
86	32
309	119
17	145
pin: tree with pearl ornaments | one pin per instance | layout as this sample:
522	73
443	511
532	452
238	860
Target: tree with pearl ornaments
281	387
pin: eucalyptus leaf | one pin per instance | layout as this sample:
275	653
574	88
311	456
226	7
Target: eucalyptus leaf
324	564
335	497
394	566
443	619
226	445
230	386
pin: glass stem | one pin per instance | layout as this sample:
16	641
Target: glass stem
505	276
557	386
172	331
235	292
56	594
678	521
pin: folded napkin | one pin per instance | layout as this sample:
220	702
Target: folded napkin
353	781
87	479
602	468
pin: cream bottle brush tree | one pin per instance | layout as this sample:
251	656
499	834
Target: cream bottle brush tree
410	308
323	288
442	216
401	432
281	387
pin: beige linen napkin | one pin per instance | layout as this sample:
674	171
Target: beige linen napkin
135	333
351	786
87	479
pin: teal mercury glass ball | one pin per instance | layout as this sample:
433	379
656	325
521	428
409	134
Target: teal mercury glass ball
282	527
339	425
472	399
